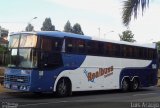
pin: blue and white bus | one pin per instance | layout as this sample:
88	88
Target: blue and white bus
64	62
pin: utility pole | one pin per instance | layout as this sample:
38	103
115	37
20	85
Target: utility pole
0	32
107	33
32	19
99	31
29	22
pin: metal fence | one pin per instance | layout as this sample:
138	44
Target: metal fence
4	59
3	62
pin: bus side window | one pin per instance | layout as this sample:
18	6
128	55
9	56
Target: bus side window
145	53
136	52
50	52
56	44
80	44
154	53
130	51
95	48
46	44
124	51
101	48
89	47
140	53
108	49
117	50
70	45
151	54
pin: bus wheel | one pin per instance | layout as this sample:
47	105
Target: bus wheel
135	85
63	88
125	85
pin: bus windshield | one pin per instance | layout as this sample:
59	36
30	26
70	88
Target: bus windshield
24	58
23	40
23	53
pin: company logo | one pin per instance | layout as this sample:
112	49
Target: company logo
9	105
101	72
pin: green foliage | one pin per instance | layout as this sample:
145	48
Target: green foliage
47	25
29	27
2	49
3	56
130	7
158	45
127	36
68	27
77	29
4	32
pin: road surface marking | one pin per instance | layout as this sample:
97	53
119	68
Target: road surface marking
144	94
42	103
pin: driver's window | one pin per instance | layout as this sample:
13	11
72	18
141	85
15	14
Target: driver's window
46	44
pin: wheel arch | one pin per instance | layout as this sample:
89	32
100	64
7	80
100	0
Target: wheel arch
124	78
137	78
64	77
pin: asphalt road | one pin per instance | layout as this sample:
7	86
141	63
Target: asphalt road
144	98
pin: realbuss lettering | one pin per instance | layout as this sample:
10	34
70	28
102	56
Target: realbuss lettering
101	72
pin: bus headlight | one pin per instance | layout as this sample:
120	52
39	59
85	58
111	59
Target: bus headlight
7	85
25	72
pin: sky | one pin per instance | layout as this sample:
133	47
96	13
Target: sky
94	16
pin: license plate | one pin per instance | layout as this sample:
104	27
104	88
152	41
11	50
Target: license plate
14	86
7	85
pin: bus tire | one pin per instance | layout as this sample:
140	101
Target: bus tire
63	87
125	85
135	84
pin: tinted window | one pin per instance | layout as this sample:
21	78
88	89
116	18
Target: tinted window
124	51
56	44
136	52
130	51
101	48
50	56
89	47
80	46
46	44
116	50
108	49
70	45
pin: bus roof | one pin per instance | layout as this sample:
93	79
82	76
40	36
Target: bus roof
62	34
66	34
147	45
56	34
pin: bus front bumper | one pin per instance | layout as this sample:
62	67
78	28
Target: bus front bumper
19	87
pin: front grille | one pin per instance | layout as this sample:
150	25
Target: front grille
14	78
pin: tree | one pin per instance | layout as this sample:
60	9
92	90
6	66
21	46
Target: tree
47	25
3	32
68	27
130	7
77	29
29	27
158	45
2	49
127	36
